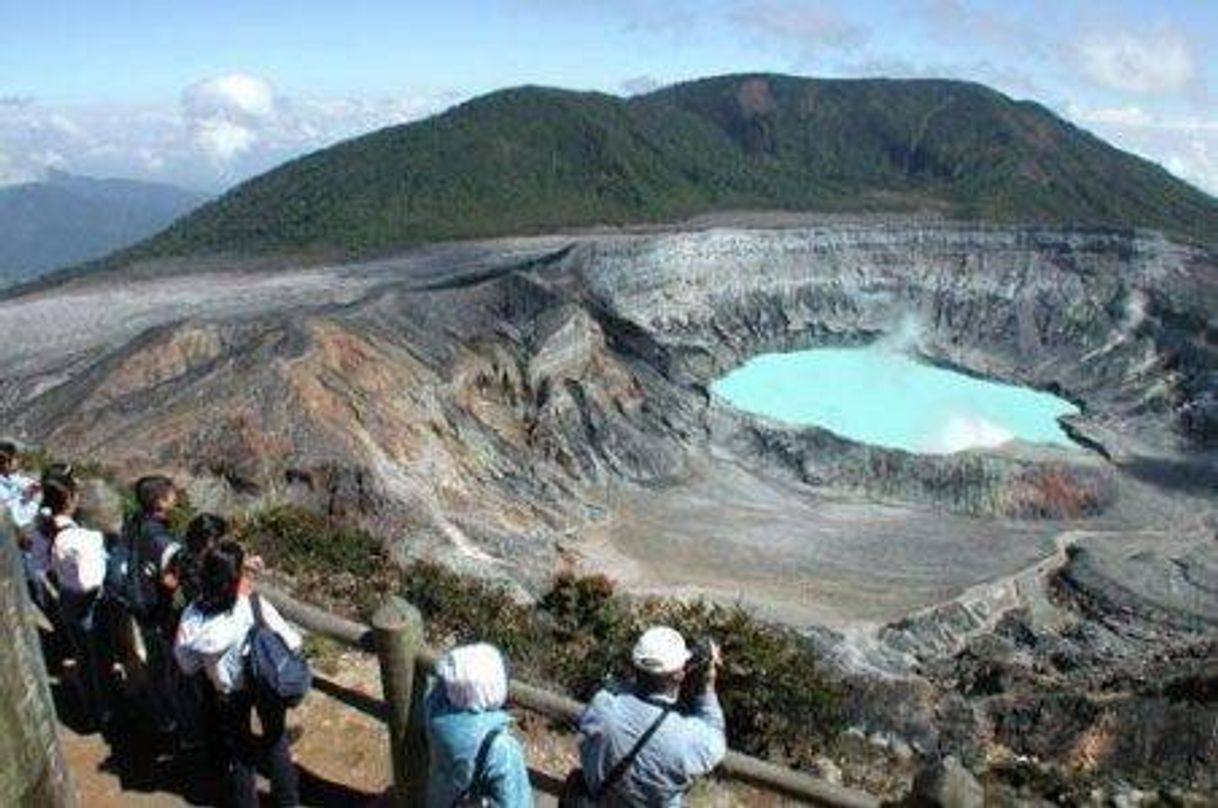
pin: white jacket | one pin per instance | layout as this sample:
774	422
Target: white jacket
17	495
217	643
78	557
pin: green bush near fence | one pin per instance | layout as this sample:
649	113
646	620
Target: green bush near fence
575	636
778	701
331	563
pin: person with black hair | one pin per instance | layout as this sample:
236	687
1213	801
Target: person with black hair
196	702
78	566
213	637
152	545
204	532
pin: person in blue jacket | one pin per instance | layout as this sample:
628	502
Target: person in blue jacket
466	722
637	745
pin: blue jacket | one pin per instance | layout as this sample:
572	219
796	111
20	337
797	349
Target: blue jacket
453	738
684	747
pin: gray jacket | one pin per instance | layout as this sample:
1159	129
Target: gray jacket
685	746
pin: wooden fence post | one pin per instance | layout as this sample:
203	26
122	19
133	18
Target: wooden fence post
32	766
398	629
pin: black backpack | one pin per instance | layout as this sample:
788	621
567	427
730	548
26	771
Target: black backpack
129	581
274	671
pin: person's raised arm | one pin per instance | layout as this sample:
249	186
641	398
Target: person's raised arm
706	739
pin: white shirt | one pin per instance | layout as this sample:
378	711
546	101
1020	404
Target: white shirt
14	495
78	556
217	643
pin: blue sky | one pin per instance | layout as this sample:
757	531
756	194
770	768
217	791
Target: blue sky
208	93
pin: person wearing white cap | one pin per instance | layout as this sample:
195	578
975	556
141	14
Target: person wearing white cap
636	747
475	760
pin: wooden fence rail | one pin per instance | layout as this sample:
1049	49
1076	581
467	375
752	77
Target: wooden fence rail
396	637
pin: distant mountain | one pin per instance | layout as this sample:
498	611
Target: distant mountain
66	219
535	159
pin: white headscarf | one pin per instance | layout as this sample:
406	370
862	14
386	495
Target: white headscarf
474	677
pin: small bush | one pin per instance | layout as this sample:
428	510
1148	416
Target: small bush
777	700
332	562
461	610
580	633
594	630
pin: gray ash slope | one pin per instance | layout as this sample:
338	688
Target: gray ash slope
515	406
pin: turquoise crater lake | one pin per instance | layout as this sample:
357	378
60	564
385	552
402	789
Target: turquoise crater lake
881	396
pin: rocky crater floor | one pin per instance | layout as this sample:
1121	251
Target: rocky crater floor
1046	616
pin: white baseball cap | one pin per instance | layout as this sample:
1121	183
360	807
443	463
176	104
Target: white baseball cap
660	650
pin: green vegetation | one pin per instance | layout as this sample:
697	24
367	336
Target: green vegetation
34	462
777	702
535	159
331	562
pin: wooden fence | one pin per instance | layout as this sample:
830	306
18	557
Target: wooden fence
396	637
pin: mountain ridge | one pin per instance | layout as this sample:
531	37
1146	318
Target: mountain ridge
64	219
534	159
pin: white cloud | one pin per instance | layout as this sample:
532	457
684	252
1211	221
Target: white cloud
1187	147
1119	116
960	21
1157	61
235	95
223	140
221	130
809	28
223	112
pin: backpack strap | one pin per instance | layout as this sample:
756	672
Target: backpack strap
620	768
133	552
256	605
475	780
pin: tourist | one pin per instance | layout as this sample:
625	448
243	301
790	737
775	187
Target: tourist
474	757
35	541
152	545
636	746
213	637
195	699
204	532
78	567
18	493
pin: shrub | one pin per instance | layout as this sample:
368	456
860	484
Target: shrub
342	565
776	700
460	610
594	630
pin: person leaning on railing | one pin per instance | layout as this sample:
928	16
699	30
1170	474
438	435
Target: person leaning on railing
637	745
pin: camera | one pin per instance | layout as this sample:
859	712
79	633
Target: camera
697	669
701	654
